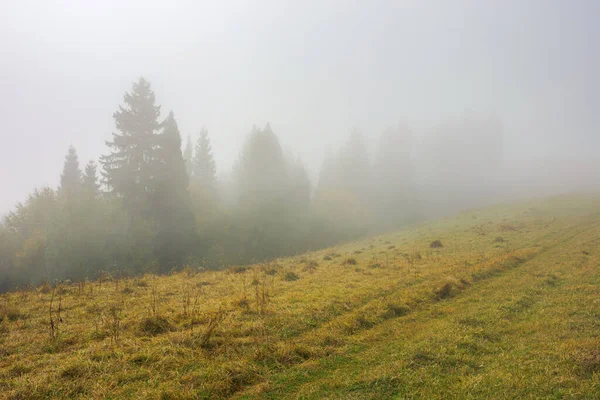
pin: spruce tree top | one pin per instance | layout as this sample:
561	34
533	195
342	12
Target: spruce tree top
130	168
70	179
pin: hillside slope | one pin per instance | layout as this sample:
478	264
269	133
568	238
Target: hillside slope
507	307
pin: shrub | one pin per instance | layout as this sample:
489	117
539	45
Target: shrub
350	261
243	303
311	266
141	283
357	323
589	362
238	269
271	269
436	244
18	370
290	277
395	310
45	288
73	372
10	313
445	291
155	325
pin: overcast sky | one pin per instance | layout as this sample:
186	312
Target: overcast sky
313	69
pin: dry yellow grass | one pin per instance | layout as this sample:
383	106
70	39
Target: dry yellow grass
508	307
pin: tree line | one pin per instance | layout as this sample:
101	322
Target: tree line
152	207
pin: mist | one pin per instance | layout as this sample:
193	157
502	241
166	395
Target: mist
418	109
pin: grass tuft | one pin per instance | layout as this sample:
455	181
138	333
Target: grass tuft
155	325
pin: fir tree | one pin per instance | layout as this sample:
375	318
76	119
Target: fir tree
205	173
188	157
262	168
129	170
70	179
90	179
172	206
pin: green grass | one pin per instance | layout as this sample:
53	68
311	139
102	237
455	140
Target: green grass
478	317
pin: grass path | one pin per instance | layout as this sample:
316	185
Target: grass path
530	332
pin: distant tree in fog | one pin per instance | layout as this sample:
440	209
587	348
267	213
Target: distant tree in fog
461	162
70	179
188	155
171	203
345	191
204	175
394	193
91	187
273	198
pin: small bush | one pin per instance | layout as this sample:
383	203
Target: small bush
445	291
271	269
141	359
507	228
436	244
311	266
73	372
18	370
243	303
327	258
11	314
155	325
357	323
395	310
333	341
350	261
45	288
589	363
499	239
238	269
290	277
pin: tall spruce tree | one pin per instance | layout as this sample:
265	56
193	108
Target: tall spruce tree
91	186
129	170
172	206
188	155
70	179
205	172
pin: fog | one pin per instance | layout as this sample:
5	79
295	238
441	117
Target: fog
313	70
321	122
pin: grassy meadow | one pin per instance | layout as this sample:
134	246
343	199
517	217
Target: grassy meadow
506	305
